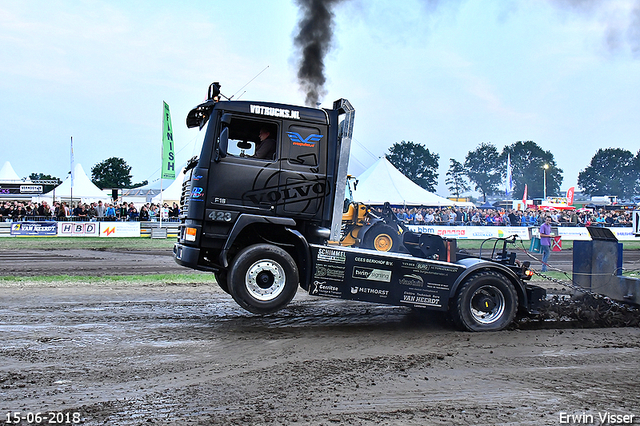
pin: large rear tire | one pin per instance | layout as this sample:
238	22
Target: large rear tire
263	278
486	301
381	237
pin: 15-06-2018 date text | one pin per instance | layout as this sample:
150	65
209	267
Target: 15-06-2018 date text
42	418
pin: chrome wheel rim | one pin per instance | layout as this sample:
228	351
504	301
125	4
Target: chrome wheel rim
487	304
265	280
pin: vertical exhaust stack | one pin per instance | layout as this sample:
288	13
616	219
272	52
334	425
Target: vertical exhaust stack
342	165
314	40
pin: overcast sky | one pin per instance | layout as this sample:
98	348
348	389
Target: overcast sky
447	74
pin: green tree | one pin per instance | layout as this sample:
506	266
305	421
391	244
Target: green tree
45	187
612	171
456	182
528	168
416	162
111	173
139	184
481	167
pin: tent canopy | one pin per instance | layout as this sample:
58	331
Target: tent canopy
83	188
7	174
173	192
156	184
382	182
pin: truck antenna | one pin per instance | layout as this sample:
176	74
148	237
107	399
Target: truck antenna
265	68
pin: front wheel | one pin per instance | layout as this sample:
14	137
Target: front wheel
487	301
263	278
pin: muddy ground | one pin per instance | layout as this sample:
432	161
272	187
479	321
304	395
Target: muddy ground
136	354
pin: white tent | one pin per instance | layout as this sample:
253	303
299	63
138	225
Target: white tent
10	179
83	188
382	182
140	195
151	191
7	174
165	183
173	192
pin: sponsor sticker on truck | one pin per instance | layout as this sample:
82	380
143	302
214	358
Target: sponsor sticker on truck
370	276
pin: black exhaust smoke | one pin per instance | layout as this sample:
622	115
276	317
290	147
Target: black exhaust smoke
314	39
315	36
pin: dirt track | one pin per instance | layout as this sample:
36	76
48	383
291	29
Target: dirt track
187	355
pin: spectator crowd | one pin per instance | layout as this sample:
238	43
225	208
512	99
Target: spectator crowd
511	217
97	211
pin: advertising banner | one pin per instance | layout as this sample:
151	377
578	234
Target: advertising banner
34	228
78	229
20	188
624	234
119	229
473	232
582	234
568	233
168	157
574	233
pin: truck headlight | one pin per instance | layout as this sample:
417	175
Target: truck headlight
190	234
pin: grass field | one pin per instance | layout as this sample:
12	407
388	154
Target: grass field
107	281
66	243
55	243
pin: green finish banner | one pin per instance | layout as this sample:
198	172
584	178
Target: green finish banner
168	157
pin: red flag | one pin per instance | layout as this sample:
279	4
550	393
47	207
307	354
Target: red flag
524	196
570	196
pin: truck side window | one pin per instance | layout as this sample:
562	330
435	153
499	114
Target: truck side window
252	138
303	145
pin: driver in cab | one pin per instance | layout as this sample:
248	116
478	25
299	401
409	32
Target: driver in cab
266	148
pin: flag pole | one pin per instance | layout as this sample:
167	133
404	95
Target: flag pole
71	206
508	184
168	157
161	199
160	212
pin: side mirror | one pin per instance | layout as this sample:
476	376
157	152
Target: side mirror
224	143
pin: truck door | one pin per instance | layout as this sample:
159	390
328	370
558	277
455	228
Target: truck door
240	181
302	177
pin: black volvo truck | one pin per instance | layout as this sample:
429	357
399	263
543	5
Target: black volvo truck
268	225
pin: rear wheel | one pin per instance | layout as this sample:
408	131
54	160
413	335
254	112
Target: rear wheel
381	237
263	278
487	301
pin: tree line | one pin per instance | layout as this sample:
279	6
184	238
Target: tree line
111	173
612	171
